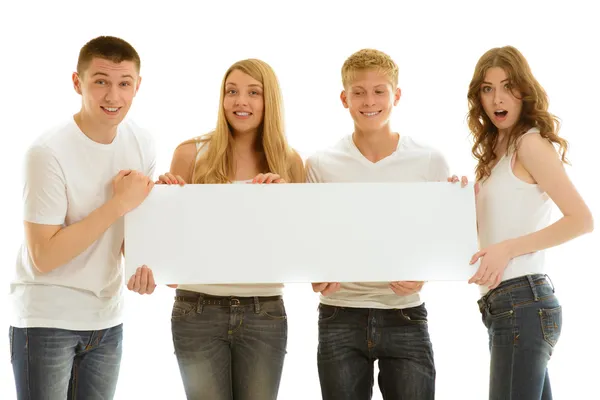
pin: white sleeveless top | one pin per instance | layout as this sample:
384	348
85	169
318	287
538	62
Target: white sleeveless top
508	207
233	290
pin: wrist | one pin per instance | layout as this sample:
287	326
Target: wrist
512	248
116	208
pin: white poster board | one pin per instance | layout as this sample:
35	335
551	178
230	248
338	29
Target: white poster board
334	232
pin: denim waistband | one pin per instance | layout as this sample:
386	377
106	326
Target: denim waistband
533	281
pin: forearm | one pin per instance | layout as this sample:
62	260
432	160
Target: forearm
563	230
71	241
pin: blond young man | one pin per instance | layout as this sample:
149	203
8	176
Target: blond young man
363	322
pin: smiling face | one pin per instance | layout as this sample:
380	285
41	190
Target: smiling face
370	97
501	102
107	90
243	102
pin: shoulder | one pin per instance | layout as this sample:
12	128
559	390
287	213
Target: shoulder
334	152
419	147
533	144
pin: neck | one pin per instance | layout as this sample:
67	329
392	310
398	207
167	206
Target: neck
245	142
97	132
376	145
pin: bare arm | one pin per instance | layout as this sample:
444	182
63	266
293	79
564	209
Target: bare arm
541	161
51	246
183	161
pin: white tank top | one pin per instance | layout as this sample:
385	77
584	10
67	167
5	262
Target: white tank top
508	207
232	290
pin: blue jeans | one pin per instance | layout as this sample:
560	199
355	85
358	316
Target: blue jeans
59	364
351	339
524	320
229	347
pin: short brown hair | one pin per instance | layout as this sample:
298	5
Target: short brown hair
109	48
369	59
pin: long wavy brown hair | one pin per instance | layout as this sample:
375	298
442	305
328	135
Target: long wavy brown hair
215	165
534	112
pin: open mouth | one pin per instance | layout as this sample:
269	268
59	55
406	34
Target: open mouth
500	113
111	110
242	114
370	113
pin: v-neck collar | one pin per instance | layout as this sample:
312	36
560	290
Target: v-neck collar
354	148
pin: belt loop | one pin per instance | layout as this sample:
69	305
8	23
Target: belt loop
256	305
551	283
533	288
200	304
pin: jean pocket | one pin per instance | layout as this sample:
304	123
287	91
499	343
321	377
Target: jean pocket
274	310
551	320
414	315
327	313
182	309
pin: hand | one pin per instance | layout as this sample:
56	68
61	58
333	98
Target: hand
494	260
404	288
267	178
463	181
131	188
142	281
326	288
168	179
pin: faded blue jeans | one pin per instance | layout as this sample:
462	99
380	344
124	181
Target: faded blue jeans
524	320
59	364
229	348
351	339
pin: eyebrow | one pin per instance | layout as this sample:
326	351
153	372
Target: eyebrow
251	85
488	83
105	74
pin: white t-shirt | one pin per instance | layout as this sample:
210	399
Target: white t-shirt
242	290
508	207
66	177
411	162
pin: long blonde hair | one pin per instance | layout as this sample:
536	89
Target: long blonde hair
215	165
534	112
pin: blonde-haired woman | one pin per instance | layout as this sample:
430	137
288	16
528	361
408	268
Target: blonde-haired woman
519	175
230	340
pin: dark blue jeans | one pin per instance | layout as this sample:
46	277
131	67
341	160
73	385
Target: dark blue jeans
351	339
229	347
59	364
524	320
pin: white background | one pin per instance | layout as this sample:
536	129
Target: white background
186	48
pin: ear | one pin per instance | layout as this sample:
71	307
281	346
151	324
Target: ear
397	94
137	86
76	82
344	99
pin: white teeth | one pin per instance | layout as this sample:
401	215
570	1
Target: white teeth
242	114
500	111
371	113
111	109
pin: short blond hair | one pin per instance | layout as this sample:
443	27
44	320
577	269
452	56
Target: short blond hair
369	59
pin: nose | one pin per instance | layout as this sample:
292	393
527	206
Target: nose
498	97
369	99
241	99
112	94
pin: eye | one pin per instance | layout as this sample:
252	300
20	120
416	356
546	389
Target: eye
507	86
486	89
379	92
100	82
125	84
231	91
254	93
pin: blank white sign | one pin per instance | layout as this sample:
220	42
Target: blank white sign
333	232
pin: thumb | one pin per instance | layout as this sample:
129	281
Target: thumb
318	287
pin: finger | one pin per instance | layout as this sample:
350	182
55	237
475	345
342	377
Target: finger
398	289
269	178
281	180
480	272
151	282
496	281
180	180
131	282
172	285
136	283
477	256
454	179
464	181
318	287
144	280
172	178
331	288
163	179
258	178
